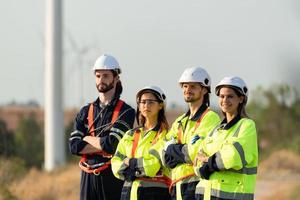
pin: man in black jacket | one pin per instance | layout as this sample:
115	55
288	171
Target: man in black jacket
99	126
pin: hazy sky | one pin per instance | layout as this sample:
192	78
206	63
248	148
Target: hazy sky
154	41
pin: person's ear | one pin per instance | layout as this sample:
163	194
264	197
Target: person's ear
205	90
242	98
161	106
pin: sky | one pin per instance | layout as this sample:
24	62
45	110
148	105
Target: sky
154	41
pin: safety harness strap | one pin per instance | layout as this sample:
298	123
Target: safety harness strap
180	179
159	178
180	140
82	163
91	169
180	133
90	119
136	137
117	111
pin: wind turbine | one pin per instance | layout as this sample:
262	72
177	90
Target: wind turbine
54	130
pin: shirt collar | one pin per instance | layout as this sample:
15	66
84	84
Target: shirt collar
112	102
155	128
228	125
198	114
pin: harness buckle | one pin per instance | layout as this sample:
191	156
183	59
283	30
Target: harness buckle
96	173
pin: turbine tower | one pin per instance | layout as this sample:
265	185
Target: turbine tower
54	130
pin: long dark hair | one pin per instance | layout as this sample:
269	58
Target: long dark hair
119	87
162	120
206	99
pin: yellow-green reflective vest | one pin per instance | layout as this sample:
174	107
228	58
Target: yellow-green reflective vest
236	157
148	158
208	122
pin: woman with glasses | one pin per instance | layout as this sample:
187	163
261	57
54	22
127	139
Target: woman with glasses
228	158
137	159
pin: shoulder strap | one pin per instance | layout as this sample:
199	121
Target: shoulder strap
90	119
136	137
117	111
200	119
179	136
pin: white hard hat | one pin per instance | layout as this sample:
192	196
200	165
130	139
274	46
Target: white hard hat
195	74
107	62
159	93
235	82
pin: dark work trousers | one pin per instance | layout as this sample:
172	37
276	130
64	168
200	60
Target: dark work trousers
147	193
102	187
201	197
187	191
153	194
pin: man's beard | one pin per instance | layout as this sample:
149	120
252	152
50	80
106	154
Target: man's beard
191	99
106	88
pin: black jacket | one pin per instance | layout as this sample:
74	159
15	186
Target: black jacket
110	135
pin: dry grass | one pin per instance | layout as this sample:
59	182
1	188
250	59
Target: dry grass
279	177
280	165
59	185
277	189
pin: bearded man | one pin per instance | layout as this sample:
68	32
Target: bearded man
98	128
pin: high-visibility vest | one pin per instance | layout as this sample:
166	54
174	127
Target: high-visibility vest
206	122
159	176
146	148
97	168
184	173
237	158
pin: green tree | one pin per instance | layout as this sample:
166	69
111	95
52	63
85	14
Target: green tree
7	143
30	142
277	114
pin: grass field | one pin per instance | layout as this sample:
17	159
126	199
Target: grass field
278	178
